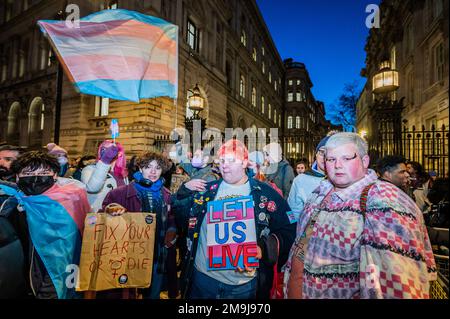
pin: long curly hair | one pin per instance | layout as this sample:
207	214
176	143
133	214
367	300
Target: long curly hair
120	168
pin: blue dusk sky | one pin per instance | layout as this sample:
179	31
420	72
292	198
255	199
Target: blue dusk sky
327	35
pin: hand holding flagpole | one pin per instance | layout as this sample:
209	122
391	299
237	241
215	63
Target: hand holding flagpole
114	128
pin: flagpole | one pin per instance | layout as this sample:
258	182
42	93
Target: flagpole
58	102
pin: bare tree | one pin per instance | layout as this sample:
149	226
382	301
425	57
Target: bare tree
344	111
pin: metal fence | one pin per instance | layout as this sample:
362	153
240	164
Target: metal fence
428	147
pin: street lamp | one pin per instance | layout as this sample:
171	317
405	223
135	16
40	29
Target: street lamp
196	105
196	101
386	80
386	113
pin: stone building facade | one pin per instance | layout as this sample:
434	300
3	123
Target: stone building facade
224	47
305	116
413	36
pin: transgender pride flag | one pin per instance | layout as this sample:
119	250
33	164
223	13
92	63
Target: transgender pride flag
120	54
55	222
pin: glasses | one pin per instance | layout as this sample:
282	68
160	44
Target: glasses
345	158
321	152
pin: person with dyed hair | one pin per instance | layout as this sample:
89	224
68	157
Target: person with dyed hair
273	225
360	237
107	174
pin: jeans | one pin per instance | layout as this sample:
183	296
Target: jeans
205	287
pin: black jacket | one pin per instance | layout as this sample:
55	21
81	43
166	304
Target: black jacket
30	271
276	223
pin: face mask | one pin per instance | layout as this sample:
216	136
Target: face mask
35	185
62	160
197	162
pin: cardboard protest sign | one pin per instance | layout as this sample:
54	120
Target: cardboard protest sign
117	251
231	234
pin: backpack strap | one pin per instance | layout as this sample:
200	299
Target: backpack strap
363	199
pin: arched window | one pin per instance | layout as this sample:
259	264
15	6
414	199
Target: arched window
289	122
13	124
262	104
243	37
253	96
242	86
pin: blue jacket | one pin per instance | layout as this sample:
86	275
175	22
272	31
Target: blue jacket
277	222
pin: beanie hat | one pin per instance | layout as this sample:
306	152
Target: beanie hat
322	143
56	150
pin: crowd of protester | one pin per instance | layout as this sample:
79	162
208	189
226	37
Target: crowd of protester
342	227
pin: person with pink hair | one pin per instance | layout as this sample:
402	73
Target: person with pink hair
108	173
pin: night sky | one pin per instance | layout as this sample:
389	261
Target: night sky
327	35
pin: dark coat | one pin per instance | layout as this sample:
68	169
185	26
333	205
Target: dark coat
276	223
127	196
29	268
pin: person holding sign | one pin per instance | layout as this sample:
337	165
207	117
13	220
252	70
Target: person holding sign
234	227
148	194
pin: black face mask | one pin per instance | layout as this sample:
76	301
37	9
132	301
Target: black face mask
35	185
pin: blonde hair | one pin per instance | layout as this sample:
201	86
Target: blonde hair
342	138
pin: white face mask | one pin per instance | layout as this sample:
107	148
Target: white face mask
62	160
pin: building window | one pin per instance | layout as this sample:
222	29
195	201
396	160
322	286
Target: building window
393	58
297	122
290	82
243	37
269	110
270	77
409	38
275	116
279	119
438	7
113	5
254	54
298	96
263	67
262	104
42	117
254	97
289	122
101	106
298	82
262	51
439	62
9	10
242	86
290	96
410	87
275	86
3	71
192	36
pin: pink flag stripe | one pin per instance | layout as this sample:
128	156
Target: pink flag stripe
105	46
69	197
87	68
130	28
